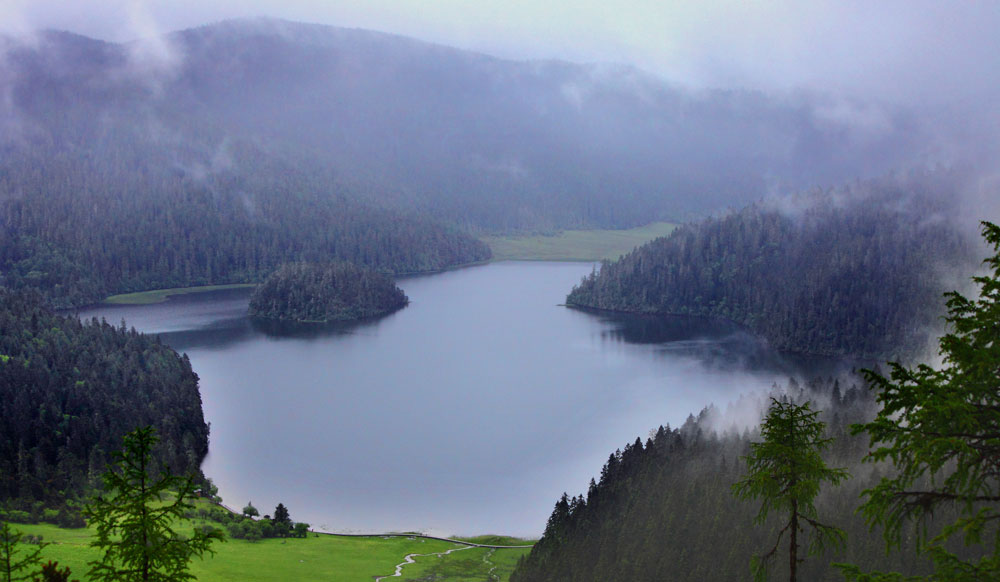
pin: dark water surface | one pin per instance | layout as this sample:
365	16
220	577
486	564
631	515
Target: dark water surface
468	412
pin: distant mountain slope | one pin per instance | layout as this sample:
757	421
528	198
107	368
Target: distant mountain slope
213	154
502	145
486	143
859	271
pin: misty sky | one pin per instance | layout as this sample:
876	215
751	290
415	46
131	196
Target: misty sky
910	51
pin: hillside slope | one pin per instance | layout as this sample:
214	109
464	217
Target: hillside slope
69	391
858	271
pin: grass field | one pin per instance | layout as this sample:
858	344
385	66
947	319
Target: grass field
161	295
317	557
576	245
465	565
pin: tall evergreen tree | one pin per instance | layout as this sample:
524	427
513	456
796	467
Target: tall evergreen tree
940	428
135	525
13	567
785	473
282	521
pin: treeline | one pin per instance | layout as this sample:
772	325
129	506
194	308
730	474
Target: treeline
664	509
80	225
69	390
250	526
325	292
859	271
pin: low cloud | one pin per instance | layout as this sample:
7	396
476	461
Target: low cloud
153	59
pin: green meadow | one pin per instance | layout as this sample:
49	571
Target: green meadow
317	557
576	245
467	564
161	295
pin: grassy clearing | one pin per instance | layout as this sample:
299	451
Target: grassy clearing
161	295
468	565
322	557
576	245
494	540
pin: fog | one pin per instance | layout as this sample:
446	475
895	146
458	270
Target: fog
899	51
874	73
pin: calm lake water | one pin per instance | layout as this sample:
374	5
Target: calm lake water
468	412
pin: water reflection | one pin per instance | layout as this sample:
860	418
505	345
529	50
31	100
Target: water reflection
716	344
218	320
295	330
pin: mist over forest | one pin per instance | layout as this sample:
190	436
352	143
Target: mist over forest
253	126
816	218
490	145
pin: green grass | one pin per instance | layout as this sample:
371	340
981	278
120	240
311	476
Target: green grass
465	565
161	295
494	540
322	557
576	245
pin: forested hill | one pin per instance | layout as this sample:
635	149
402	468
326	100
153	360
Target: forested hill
121	216
859	271
69	391
664	509
485	143
309	292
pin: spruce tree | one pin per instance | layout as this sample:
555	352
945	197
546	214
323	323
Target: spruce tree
785	472
940	429
135	523
282	521
12	566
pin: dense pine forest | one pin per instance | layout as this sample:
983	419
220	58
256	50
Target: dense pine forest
85	228
327	292
69	390
247	144
664	509
857	271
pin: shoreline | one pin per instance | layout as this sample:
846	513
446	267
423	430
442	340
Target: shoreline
154	296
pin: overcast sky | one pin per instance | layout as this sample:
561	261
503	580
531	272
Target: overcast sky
897	50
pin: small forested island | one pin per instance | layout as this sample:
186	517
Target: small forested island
858	271
338	291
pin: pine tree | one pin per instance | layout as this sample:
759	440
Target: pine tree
940	428
785	473
282	521
12	567
135	525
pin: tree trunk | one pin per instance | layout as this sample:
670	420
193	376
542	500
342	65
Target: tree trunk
793	546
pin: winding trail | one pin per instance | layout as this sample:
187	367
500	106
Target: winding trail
489	562
409	560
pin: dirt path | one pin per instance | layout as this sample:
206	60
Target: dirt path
409	559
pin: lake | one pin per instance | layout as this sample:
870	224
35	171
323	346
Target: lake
468	412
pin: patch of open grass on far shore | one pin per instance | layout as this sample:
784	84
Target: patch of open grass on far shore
576	245
161	295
